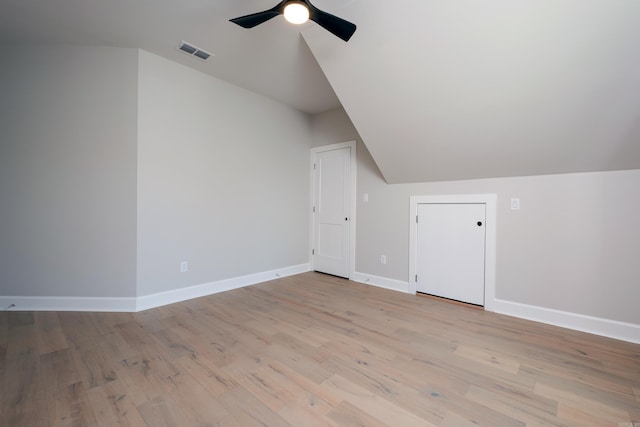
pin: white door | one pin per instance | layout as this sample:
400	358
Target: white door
451	251
332	211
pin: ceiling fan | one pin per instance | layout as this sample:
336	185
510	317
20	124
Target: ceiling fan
298	12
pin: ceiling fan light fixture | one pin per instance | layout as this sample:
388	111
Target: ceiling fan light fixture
296	12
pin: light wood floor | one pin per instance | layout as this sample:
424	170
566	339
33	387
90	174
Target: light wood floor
310	350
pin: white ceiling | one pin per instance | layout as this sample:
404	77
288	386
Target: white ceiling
440	90
464	89
271	59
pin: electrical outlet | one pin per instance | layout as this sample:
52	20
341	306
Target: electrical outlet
383	259
515	204
184	266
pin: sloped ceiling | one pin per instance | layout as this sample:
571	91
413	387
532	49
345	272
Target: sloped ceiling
271	59
450	90
437	89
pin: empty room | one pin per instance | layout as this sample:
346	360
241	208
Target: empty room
325	213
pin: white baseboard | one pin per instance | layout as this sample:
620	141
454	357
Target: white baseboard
144	302
104	304
609	328
594	325
176	295
381	282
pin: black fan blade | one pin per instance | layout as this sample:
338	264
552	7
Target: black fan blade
250	21
337	26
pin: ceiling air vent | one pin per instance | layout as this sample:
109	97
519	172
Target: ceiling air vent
191	50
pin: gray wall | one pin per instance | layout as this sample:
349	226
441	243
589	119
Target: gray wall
103	150
223	180
574	245
68	171
116	165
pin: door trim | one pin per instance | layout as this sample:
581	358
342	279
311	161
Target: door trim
490	240
352	215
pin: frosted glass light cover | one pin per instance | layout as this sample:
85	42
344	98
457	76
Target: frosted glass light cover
296	13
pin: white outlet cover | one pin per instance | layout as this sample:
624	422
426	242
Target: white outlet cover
515	204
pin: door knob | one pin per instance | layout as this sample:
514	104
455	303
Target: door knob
479	223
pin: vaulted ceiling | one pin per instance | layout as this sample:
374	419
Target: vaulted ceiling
466	89
438	90
270	59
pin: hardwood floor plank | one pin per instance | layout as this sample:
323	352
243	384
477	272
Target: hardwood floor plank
245	339
262	381
4	338
158	413
21	391
267	325
135	334
114	348
310	405
106	323
69	406
197	405
574	416
49	333
251	413
596	408
20	318
488	357
310	350
356	347
79	329
300	361
386	384
297	399
589	390
514	408
214	379
347	415
454	374
304	415
58	370
173	343
4	330
453	419
144	373
307	391
110	403
91	365
371	403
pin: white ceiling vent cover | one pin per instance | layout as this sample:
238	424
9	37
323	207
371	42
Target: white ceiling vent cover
192	50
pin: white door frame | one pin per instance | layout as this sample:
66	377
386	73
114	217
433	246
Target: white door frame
352	215
490	201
